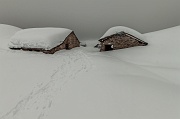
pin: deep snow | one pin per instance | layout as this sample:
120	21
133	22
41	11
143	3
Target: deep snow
45	38
83	83
118	29
6	32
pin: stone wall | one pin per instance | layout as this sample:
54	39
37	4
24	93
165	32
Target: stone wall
120	42
71	40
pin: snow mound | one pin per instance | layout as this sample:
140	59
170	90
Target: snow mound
6	32
45	38
118	29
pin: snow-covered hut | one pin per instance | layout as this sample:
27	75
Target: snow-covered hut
121	37
46	40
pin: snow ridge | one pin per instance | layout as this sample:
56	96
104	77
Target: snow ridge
36	104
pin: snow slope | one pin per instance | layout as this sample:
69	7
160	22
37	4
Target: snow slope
6	32
83	83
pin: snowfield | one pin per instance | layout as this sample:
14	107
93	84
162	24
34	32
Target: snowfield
83	83
6	32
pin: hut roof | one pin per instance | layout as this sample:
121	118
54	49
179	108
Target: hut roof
119	29
45	38
122	34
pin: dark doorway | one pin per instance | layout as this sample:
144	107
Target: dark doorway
108	47
67	46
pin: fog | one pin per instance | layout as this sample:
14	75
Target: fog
90	19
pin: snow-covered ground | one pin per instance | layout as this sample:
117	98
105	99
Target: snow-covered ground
83	83
6	32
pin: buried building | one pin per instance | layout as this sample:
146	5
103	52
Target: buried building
46	40
120	40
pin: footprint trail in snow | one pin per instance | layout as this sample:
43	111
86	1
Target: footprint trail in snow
39	101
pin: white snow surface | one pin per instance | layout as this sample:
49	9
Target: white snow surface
45	38
134	83
118	29
6	32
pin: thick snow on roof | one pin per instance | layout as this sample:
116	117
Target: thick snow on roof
118	29
6	32
45	38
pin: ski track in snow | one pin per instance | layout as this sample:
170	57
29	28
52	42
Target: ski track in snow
39	101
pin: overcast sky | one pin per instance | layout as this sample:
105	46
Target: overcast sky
91	18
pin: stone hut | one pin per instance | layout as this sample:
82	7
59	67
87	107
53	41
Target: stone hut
71	41
119	41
